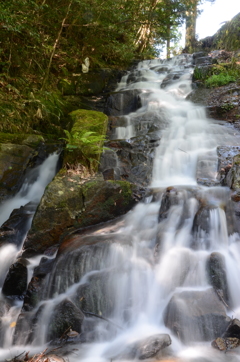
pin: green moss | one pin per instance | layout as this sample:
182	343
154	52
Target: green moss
89	120
85	139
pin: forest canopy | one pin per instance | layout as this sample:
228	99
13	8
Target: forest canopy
108	31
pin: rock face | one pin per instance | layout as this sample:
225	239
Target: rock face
19	153
14	160
196	315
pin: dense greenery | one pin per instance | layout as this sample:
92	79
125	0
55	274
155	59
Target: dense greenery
43	44
46	41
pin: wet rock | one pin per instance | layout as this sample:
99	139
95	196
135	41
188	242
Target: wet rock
225	344
202	60
202	218
15	284
33	294
225	161
207	182
92	297
14	229
233	329
67	203
174	196
130	160
170	198
216	270
146	348
171	78
123	102
198	55
152	345
66	316
196	315
14	160
233	176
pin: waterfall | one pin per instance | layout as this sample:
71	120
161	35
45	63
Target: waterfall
30	193
150	274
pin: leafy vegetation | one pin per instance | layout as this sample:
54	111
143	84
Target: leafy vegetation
217	80
219	74
88	144
45	41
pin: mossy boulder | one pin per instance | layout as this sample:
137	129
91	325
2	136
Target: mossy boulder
81	148
68	203
59	206
89	120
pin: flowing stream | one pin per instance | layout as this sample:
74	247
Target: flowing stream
151	270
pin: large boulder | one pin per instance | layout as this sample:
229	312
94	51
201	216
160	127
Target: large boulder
196	315
67	203
129	160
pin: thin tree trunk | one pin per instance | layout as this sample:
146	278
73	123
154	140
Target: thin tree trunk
168	41
55	46
191	17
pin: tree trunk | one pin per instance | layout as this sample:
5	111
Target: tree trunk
191	17
144	32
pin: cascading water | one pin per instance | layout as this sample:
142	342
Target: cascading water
150	274
28	197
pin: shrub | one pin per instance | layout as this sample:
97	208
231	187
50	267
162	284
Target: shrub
217	80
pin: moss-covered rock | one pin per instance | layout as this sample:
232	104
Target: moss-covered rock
85	139
68	204
60	204
89	120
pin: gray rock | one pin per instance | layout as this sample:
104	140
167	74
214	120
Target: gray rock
196	315
146	348
216	270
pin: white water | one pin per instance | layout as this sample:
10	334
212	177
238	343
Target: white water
158	260
31	191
